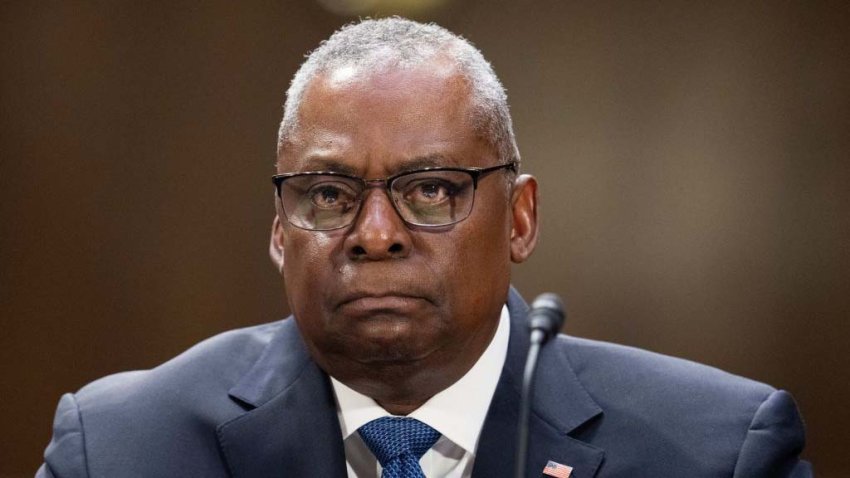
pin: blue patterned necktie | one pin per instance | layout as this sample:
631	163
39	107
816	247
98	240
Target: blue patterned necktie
398	443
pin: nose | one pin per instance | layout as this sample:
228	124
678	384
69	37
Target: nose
378	233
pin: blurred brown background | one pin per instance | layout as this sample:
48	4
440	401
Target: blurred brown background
693	161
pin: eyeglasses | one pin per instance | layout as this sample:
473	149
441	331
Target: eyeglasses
431	197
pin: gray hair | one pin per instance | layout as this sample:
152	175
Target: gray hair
371	44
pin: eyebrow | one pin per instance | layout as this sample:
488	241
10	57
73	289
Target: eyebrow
435	160
326	164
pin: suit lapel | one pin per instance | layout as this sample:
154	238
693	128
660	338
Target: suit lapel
290	428
560	405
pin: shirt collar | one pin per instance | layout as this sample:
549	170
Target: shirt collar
457	412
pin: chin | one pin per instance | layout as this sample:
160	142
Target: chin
387	336
389	352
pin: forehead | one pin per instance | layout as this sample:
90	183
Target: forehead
377	121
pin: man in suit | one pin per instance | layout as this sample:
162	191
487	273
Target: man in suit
400	208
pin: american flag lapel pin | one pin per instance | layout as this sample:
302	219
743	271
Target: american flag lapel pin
557	470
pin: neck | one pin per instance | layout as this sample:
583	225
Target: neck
401	408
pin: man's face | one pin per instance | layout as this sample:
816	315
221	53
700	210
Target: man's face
387	308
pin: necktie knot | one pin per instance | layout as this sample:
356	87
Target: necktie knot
398	443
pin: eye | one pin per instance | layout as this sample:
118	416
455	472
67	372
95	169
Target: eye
331	195
429	191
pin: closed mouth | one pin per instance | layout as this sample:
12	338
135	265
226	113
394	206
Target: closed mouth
380	301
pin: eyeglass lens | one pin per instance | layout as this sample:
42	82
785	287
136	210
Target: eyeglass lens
425	198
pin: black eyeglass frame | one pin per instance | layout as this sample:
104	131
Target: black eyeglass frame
474	172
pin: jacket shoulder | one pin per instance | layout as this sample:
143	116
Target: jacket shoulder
602	365
681	415
162	419
215	363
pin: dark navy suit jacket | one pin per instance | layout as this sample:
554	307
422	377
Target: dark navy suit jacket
251	403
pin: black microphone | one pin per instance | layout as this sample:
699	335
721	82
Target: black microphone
546	317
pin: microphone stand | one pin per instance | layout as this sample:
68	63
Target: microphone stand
525	402
546	318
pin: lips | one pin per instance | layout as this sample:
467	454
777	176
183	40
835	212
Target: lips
362	302
379	300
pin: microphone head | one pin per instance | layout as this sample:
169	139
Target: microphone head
547	314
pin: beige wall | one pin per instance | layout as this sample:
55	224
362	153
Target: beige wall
693	161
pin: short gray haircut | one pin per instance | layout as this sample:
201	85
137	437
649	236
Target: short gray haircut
398	42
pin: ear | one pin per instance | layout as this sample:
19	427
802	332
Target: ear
276	244
524	226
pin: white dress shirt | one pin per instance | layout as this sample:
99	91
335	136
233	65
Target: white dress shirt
457	412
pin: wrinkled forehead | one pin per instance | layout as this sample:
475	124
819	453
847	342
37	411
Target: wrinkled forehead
389	86
405	109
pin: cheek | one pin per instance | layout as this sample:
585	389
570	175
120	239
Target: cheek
309	249
480	258
488	235
307	265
